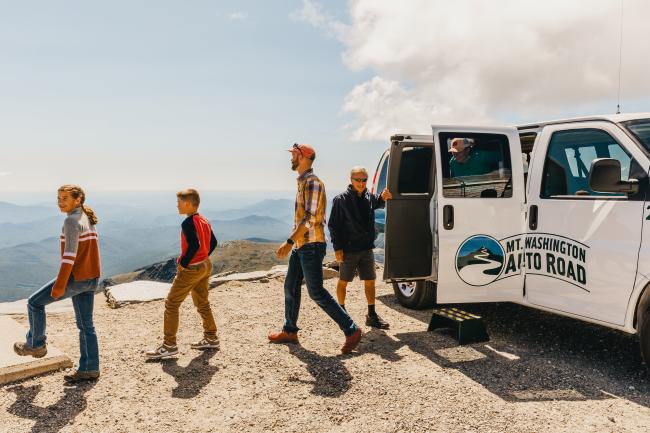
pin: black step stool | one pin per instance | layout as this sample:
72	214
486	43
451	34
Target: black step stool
469	327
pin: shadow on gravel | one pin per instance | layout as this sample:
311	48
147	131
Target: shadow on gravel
378	342
55	416
331	376
192	378
536	356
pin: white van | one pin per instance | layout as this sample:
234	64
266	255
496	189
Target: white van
549	215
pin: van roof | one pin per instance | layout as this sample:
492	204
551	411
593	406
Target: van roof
529	131
614	118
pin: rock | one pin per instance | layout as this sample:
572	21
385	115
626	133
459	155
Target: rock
136	291
332	265
278	271
329	273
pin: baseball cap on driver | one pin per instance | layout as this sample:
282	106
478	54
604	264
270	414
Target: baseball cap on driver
304	149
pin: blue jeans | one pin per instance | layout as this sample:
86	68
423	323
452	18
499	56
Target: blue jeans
307	263
83	297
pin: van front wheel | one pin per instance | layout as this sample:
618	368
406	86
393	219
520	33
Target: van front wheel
416	295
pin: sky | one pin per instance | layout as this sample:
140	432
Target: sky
162	95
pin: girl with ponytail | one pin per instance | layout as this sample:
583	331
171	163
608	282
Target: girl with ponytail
78	279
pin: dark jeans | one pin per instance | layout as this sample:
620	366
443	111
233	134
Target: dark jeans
307	263
83	297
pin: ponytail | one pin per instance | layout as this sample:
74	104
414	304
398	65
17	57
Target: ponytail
77	192
90	213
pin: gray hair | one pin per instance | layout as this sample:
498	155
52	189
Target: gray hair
358	169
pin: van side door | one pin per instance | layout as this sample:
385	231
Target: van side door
582	247
408	235
480	205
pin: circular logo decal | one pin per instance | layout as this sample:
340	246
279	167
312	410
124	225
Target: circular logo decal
480	260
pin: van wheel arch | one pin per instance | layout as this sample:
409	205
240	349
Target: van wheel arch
642	324
642	306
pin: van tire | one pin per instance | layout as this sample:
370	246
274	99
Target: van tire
416	295
644	337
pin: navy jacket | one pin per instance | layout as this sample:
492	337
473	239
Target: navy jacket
352	220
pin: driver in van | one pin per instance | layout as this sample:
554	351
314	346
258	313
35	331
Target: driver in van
468	160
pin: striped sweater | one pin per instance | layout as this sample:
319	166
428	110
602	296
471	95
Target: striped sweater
79	251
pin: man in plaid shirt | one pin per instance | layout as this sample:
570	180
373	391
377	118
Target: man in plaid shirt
307	246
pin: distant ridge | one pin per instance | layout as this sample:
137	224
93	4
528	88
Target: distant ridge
235	256
17	214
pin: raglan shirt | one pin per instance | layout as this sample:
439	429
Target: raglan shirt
197	240
79	252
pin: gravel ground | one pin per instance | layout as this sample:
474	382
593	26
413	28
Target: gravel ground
538	373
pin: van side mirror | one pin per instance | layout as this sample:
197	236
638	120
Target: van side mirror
605	176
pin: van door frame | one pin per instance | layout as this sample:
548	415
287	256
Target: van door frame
404	258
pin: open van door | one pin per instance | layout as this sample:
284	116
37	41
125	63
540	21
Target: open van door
409	242
480	214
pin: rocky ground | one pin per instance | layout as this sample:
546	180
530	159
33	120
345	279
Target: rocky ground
538	373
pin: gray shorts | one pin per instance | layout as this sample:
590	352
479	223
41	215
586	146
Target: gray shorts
362	261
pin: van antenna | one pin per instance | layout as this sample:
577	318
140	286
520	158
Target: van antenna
620	60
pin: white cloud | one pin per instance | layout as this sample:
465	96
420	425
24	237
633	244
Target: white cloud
313	13
5	173
238	15
437	61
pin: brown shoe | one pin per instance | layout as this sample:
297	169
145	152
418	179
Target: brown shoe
283	337
352	341
24	349
81	376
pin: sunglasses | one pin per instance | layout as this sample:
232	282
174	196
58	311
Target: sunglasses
360	180
297	147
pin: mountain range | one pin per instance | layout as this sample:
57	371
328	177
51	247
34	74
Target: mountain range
130	239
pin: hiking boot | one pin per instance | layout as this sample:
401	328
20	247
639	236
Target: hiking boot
352	341
206	344
81	376
24	349
283	337
374	321
162	352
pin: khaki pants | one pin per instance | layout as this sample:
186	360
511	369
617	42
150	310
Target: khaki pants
192	279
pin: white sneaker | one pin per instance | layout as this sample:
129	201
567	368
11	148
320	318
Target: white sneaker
161	352
206	344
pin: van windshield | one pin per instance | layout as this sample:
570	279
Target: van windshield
641	130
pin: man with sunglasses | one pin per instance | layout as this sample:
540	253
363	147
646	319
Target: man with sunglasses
352	229
307	246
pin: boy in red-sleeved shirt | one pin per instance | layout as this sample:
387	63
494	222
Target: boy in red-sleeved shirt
194	270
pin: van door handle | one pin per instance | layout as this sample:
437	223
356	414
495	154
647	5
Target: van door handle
448	217
532	217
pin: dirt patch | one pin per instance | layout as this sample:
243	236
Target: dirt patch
539	372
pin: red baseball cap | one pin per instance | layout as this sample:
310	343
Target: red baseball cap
304	149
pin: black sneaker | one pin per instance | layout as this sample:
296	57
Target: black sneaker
375	321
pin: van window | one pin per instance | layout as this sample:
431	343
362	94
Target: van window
476	165
569	157
415	170
641	130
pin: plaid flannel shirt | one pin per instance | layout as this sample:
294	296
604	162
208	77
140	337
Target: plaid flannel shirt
310	208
